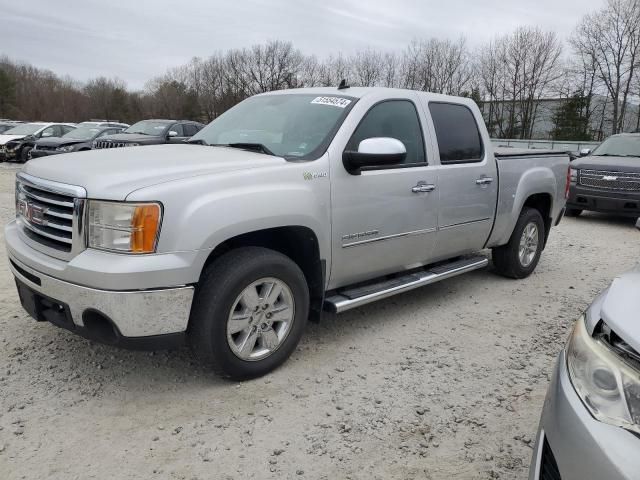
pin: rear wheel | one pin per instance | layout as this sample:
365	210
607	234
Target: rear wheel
249	312
520	256
573	212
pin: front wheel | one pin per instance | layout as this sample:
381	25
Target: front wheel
25	154
249	312
519	257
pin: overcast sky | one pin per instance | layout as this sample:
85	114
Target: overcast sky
137	39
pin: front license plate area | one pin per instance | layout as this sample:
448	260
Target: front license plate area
43	308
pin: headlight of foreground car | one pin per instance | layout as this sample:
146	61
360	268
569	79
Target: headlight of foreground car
607	385
573	173
67	148
124	227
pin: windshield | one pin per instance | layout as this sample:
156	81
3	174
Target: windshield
26	129
296	126
619	146
82	133
148	127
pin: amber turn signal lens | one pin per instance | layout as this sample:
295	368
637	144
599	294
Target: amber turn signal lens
145	224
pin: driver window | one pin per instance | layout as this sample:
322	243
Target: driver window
177	128
396	119
48	132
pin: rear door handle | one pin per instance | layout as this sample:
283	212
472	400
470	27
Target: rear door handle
484	181
423	188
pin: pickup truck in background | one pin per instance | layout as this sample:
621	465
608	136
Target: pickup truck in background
607	180
289	203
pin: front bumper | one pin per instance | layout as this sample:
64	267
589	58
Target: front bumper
43	153
604	201
581	446
121	317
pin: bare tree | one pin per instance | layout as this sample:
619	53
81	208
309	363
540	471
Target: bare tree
611	38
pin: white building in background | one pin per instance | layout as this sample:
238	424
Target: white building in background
600	122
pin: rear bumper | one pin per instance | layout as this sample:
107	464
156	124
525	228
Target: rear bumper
126	318
580	446
617	203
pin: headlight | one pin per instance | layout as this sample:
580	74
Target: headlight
67	148
124	227
573	173
608	386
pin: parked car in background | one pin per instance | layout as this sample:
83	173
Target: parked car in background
76	140
151	132
590	425
288	203
608	178
103	123
16	143
8	125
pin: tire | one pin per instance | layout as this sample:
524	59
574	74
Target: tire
24	154
508	260
221	293
573	212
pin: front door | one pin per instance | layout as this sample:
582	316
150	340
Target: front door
383	220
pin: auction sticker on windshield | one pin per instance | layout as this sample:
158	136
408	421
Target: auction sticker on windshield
333	101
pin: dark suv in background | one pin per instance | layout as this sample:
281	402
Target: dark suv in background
608	179
76	140
151	132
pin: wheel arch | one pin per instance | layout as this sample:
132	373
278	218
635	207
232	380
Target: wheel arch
542	203
297	242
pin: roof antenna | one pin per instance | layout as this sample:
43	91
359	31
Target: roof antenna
343	84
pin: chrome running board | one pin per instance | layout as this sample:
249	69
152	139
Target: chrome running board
349	298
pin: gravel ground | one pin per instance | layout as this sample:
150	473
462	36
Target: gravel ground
443	382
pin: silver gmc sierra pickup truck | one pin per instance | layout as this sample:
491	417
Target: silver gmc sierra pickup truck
290	203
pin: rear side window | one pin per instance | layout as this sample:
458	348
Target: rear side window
396	119
457	132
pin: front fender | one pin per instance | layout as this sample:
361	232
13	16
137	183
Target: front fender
201	212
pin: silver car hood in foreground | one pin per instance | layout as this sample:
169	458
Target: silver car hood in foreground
621	307
112	174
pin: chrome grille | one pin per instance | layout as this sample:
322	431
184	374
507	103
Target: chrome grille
50	215
610	180
108	144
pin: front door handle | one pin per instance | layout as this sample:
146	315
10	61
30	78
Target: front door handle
484	181
423	188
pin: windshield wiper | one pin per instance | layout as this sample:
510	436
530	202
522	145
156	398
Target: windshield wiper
254	147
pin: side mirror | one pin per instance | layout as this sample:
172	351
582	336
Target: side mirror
173	133
374	152
584	152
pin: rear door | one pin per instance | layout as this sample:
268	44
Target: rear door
381	221
467	181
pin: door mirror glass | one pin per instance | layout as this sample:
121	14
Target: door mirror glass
584	152
374	152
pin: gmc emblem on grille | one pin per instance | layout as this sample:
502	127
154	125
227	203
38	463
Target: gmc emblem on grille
609	178
33	213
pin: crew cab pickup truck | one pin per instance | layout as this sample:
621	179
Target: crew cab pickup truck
290	203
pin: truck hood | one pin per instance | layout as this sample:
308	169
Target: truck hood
6	138
112	174
621	306
610	164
